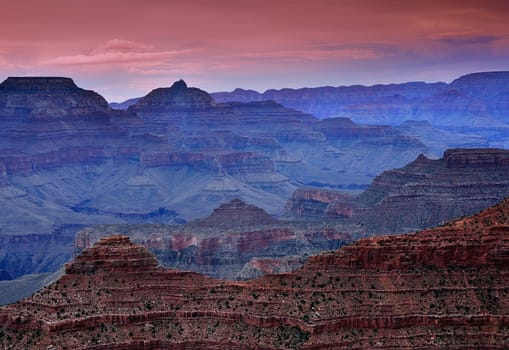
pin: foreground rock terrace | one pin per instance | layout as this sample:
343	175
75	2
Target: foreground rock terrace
443	288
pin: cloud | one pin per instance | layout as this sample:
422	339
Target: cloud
118	53
120	45
465	38
116	57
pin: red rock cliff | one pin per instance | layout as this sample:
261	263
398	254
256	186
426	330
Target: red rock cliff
446	288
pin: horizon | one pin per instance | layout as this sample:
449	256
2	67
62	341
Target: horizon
245	89
131	47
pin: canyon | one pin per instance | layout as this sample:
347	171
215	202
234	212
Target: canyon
236	241
445	287
241	241
69	161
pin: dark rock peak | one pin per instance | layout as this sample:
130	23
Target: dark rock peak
179	85
38	84
49	97
421	158
236	213
422	162
240	90
177	97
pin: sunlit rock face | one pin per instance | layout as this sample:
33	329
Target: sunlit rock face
443	288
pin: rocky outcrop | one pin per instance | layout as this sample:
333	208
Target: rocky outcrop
445	288
178	97
429	192
114	253
236	214
48	97
476	158
483	238
422	194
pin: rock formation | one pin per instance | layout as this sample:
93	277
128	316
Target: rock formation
236	213
48	97
236	241
422	194
178	97
68	160
444	288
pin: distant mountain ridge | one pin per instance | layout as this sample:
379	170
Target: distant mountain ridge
476	104
470	100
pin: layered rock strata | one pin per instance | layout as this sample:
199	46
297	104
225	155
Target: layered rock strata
444	288
236	213
68	160
476	100
424	193
236	241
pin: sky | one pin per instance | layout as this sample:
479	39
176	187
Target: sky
126	48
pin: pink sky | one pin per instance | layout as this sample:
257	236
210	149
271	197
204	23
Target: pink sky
125	48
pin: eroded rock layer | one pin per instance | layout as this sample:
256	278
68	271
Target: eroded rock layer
444	288
424	193
68	160
237	241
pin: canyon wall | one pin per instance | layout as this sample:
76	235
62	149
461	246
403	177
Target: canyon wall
424	193
443	288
